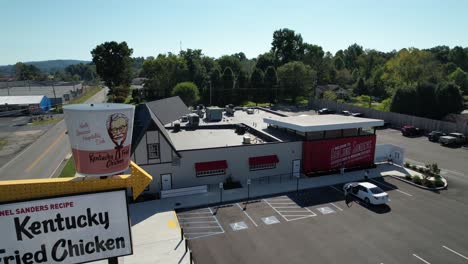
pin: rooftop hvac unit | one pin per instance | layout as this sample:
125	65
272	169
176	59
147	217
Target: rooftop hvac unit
193	119
176	127
246	140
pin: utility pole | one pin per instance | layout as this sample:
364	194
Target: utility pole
210	90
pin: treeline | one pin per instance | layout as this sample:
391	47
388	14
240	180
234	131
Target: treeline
291	71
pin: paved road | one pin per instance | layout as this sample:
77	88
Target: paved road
453	161
43	157
318	227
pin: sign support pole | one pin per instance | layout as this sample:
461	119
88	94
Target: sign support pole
113	260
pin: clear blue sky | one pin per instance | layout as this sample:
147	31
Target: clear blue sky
61	29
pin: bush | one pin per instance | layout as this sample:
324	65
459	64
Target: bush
119	99
409	177
417	180
413	167
428	183
439	182
407	164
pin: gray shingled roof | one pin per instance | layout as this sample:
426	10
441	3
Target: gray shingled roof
169	109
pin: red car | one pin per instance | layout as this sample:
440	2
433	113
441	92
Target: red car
410	131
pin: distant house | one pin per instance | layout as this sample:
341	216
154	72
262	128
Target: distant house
34	104
340	92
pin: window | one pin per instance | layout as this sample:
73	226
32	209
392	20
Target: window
153	151
211	172
263	166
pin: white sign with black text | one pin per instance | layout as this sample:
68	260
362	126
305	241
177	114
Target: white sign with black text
70	229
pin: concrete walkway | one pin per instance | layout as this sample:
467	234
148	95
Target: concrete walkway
265	189
156	231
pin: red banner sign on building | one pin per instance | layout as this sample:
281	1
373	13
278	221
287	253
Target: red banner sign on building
332	154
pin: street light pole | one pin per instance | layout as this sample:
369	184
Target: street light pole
248	194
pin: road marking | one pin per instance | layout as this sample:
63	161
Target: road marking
202	222
30	146
453	251
216	219
333	187
423	260
195	217
28	169
246	214
336	206
199	227
388	186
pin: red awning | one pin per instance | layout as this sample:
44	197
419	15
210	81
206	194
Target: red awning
211	165
263	160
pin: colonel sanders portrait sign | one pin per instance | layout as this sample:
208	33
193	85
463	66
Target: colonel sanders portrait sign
100	137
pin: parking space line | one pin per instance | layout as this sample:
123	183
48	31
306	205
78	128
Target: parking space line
388	186
199	227
453	251
194	213
283	203
336	189
421	259
196	217
255	224
216	220
202	222
337	207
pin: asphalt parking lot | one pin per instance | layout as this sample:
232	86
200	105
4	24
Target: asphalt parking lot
317	226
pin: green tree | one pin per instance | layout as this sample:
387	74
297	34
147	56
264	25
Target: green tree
257	85
460	78
216	87
188	92
230	61
350	56
296	79
270	82
83	71
286	46
164	73
459	56
228	86
265	60
26	72
403	101
425	100
410	67
450	99
330	95
338	63
360	88
113	63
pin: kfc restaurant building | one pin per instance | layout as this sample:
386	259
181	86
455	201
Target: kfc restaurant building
277	146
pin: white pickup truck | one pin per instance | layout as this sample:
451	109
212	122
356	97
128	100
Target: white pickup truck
452	139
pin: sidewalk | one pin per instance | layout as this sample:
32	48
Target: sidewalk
265	189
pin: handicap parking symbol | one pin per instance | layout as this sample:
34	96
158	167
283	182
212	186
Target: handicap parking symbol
326	210
270	220
238	226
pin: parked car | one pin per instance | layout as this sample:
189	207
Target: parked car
357	114
250	111
366	191
346	113
452	139
434	136
410	131
325	111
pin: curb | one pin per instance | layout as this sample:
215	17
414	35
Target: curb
421	186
